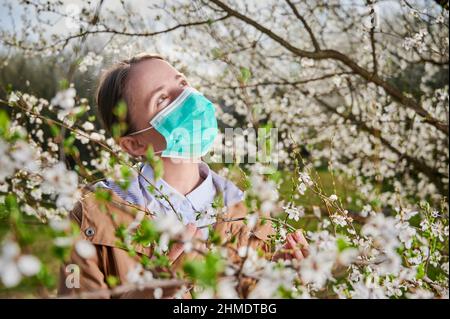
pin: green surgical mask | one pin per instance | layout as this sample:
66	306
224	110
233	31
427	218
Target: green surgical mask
188	125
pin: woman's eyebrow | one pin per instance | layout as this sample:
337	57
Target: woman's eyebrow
180	75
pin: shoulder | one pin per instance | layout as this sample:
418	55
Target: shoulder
100	202
99	216
79	209
231	193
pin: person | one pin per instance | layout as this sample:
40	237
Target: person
162	111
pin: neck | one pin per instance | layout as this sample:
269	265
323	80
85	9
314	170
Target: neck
183	175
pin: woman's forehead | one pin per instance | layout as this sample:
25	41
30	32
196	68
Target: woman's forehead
151	72
146	76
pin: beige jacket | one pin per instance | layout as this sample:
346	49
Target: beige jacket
98	221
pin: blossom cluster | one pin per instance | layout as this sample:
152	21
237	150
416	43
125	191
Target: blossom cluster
362	144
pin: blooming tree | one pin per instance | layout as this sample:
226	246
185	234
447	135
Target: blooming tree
357	89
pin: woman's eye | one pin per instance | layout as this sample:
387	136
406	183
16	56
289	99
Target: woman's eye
161	99
183	83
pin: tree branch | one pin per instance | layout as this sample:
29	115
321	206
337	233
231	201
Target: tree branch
305	24
372	37
127	288
65	41
338	56
434	175
290	83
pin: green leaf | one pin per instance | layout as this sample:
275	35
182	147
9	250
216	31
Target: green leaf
245	75
112	281
420	271
155	162
119	129
162	261
205	271
151	189
121	110
121	232
342	244
4	123
214	237
146	262
46	278
126	175
158	169
146	233
63	84
55	130
150	154
12	206
60	252
218	201
68	142
103	195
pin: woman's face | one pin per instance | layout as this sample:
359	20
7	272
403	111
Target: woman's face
152	85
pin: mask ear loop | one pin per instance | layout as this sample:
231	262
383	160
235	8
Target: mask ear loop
140	131
142	158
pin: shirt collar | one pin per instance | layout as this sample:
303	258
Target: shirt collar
203	195
200	198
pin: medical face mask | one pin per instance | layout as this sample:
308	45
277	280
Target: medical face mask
188	125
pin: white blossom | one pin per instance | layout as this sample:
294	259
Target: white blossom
294	213
85	249
28	265
14	266
65	99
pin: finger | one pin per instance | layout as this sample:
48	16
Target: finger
287	244
302	240
277	255
281	254
178	248
190	232
175	251
244	235
198	240
286	256
300	237
296	250
290	245
198	233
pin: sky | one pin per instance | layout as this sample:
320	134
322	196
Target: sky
63	25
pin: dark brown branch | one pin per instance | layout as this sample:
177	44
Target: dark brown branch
291	83
128	288
65	41
305	24
372	38
338	56
434	175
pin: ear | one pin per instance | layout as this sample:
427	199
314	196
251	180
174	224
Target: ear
133	145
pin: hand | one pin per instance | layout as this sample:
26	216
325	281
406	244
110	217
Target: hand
178	248
296	247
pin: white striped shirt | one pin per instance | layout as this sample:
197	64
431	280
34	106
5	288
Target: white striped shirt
195	207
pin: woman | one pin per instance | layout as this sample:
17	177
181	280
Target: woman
164	112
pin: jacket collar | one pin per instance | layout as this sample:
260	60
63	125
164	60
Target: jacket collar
104	218
200	198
